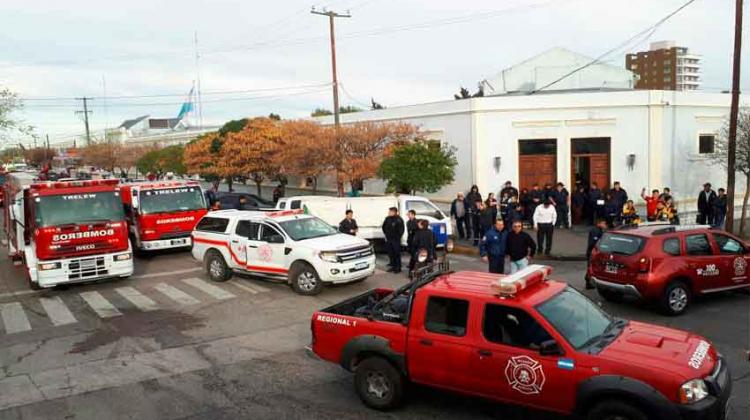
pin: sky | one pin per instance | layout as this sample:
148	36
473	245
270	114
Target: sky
257	57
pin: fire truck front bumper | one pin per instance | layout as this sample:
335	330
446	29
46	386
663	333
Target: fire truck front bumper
184	242
51	273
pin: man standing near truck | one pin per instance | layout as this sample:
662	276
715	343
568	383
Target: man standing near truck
493	245
411	230
349	225
393	229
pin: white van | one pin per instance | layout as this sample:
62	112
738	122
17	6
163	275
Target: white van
369	212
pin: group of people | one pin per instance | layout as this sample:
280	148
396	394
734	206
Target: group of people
419	237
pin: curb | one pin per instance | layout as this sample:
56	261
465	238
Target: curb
470	250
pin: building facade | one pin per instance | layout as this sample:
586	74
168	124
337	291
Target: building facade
665	67
644	139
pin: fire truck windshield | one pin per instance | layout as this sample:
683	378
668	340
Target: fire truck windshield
64	209
169	200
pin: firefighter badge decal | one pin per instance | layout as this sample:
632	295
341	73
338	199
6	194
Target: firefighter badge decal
525	375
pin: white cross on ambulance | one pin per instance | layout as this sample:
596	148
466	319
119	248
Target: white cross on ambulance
298	248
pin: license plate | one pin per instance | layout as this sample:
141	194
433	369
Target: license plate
178	241
610	268
360	266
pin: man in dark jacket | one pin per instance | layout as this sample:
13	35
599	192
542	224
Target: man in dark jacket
595	234
486	219
720	208
595	202
562	201
460	213
393	229
411	230
349	225
509	189
424	239
705	204
471	199
619	195
536	197
519	247
493	246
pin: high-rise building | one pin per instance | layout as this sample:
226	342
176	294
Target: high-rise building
665	67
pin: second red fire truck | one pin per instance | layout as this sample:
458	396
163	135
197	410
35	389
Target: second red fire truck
162	214
66	232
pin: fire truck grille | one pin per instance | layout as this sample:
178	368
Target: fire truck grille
175	235
86	268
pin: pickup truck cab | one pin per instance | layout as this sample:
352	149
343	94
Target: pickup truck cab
520	339
297	248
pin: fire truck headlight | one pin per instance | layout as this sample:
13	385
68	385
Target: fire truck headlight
693	391
49	266
123	257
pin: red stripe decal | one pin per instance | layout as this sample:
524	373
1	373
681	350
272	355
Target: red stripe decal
237	260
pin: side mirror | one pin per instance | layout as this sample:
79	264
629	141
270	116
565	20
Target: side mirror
550	348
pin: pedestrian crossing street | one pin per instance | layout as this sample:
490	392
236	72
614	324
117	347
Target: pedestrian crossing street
70	308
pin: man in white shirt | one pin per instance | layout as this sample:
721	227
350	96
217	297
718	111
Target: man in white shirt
544	222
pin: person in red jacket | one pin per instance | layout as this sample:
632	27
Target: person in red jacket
651	204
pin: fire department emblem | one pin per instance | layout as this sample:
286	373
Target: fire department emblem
265	253
740	266
525	375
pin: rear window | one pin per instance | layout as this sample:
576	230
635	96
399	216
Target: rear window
615	243
212	224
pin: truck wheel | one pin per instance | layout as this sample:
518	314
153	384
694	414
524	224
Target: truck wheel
305	280
378	384
609	295
615	410
676	298
216	267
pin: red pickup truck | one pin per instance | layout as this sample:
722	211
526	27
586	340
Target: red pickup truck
520	339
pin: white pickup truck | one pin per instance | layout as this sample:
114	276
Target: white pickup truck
298	248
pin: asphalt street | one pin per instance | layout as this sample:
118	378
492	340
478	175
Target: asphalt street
168	344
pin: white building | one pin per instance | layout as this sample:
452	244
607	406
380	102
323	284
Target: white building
644	139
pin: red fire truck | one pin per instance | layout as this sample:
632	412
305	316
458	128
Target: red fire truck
66	232
162	214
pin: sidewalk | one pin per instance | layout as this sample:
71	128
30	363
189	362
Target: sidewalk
567	244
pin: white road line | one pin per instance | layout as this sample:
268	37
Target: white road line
176	294
14	318
245	288
56	310
259	287
135	297
210	289
166	273
19	293
101	306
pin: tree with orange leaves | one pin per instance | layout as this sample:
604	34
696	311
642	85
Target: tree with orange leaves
252	150
202	156
307	150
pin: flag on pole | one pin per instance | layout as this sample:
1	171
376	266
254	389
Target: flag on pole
187	106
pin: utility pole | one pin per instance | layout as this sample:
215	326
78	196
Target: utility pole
46	148
85	113
331	16
732	146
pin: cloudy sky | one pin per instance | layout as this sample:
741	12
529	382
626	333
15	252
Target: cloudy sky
138	57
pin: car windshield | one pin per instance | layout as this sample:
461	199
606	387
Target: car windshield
615	243
307	228
56	210
168	200
575	317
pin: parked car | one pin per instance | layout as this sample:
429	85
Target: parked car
520	339
668	264
231	200
297	248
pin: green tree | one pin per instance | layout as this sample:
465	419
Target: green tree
320	112
418	166
161	161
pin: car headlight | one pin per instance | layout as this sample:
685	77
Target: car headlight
123	257
329	257
49	266
693	391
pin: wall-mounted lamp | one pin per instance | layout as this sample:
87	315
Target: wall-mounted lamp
496	163
630	161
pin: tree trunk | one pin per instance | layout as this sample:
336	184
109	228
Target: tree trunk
340	185
257	185
315	184
744	205
229	182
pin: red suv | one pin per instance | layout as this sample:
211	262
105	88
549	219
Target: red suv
668	264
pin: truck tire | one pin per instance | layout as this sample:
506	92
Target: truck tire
378	384
216	268
304	279
615	410
676	298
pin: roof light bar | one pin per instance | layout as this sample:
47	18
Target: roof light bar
508	286
285	213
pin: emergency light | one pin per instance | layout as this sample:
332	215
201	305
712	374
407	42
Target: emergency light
285	213
508	286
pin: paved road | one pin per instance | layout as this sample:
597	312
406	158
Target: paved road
167	344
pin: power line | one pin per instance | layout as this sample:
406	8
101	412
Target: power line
331	17
648	32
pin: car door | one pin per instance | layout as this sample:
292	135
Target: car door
508	365
267	255
703	262
246	230
732	259
439	343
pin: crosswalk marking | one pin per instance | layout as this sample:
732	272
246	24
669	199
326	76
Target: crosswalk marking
176	294
210	289
58	313
136	298
14	318
246	288
101	306
260	288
